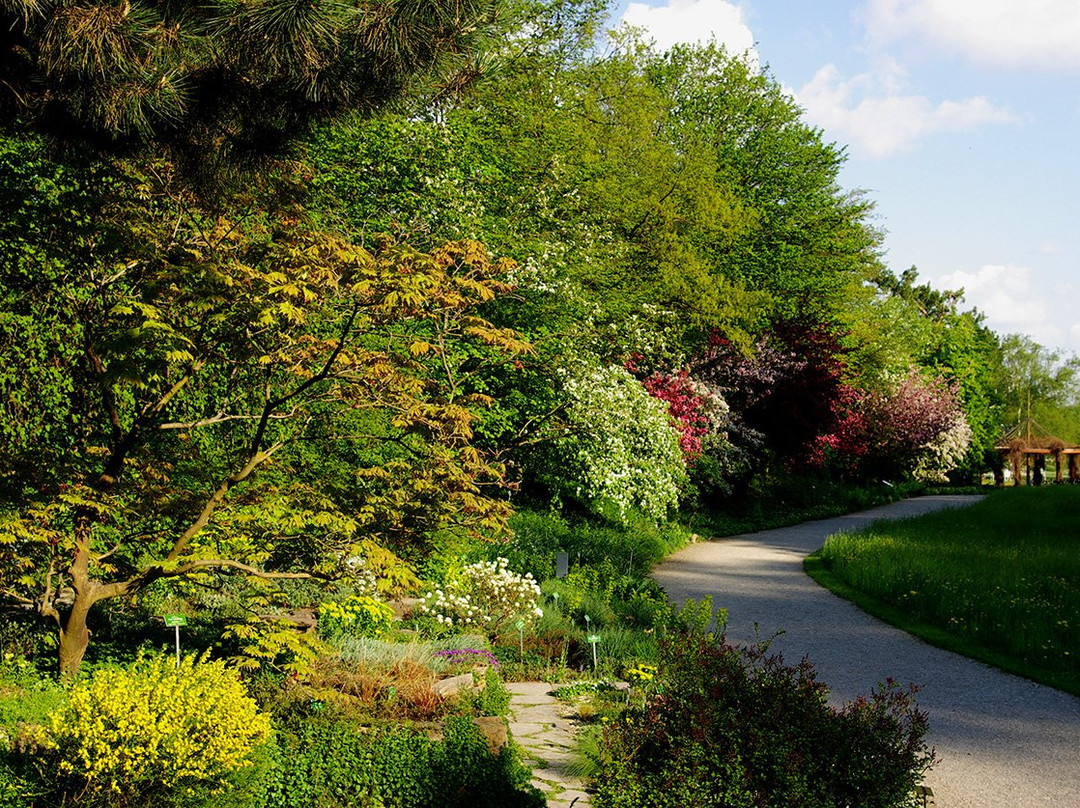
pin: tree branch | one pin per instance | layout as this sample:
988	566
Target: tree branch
222	418
273	404
218	563
254	461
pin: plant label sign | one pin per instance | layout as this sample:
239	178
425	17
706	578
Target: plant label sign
175	621
593	640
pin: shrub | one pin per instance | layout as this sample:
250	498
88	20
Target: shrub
698	411
632	546
333	763
150	731
737	727
493	698
485	595
356	616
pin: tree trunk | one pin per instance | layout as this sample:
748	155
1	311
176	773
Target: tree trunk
74	632
75	636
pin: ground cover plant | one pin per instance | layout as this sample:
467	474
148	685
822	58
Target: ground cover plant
999	581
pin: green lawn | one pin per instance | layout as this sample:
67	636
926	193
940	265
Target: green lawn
999	581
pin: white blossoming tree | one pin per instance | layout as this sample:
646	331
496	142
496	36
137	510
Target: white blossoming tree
944	452
619	449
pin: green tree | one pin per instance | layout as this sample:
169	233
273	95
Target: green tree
807	239
224	79
202	363
1039	382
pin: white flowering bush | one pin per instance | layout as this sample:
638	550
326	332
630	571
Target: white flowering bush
484	596
361	578
944	452
620	446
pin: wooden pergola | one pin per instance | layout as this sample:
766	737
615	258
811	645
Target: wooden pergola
1027	446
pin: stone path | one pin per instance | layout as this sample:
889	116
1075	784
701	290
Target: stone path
1002	741
543	726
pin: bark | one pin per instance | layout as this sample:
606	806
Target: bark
74	637
74	631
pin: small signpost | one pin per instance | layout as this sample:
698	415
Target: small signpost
520	625
594	639
176	620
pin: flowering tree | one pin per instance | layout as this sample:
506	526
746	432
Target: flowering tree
618	446
944	452
698	412
902	421
784	395
916	427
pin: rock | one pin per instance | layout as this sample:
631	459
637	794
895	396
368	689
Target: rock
454	686
494	731
303	619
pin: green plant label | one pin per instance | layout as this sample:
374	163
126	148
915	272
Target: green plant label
519	625
594	638
175	620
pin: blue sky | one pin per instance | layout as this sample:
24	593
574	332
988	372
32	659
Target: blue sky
961	119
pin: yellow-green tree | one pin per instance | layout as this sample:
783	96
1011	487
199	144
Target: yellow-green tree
199	367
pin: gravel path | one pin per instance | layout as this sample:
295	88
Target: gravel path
1002	741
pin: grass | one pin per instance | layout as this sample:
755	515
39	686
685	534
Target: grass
998	582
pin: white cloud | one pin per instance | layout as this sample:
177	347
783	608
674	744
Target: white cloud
1039	34
1003	293
873	115
689	21
1013	303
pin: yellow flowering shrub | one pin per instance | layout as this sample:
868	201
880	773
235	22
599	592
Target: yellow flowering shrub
156	725
357	616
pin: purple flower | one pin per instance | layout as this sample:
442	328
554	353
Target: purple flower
464	656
